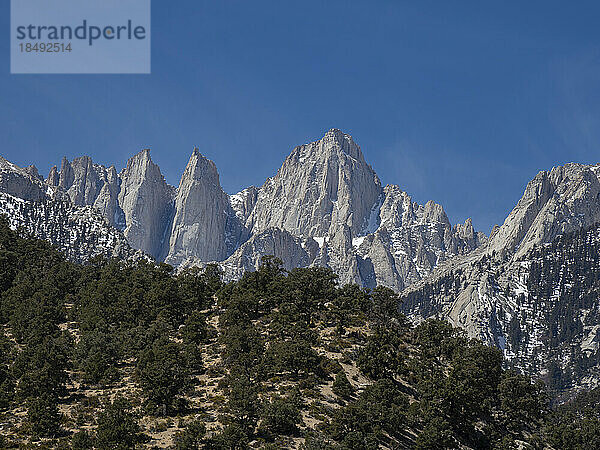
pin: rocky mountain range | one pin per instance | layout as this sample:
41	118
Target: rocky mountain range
519	289
325	206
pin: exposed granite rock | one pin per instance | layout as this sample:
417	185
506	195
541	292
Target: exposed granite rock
20	182
324	193
411	240
84	183
202	210
564	199
319	187
292	250
53	177
338	254
243	202
147	205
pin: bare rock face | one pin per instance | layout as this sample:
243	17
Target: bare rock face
321	186
53	177
32	171
82	180
137	201
468	237
22	183
564	199
147	204
411	240
106	201
366	234
84	183
202	210
292	250
325	202
338	254
243	202
66	175
378	266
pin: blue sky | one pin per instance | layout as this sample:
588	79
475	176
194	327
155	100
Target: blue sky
459	102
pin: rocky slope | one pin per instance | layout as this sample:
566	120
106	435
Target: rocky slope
326	193
21	183
532	290
324	207
555	202
80	232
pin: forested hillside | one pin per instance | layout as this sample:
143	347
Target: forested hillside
116	354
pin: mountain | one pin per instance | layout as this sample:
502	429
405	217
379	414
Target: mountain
21	183
67	214
325	206
326	193
320	187
80	232
204	227
529	289
147	205
532	289
84	183
555	202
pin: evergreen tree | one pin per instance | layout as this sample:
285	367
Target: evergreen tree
117	426
281	416
43	415
162	374
342	387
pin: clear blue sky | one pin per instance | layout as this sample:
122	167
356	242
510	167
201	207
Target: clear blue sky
459	104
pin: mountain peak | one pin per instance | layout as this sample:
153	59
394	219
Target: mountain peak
199	223
335	139
200	166
20	182
323	184
324	195
52	179
143	157
335	133
555	202
146	201
5	164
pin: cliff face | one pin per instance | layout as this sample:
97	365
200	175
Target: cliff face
320	187
325	206
146	202
327	193
555	202
19	182
201	212
84	183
